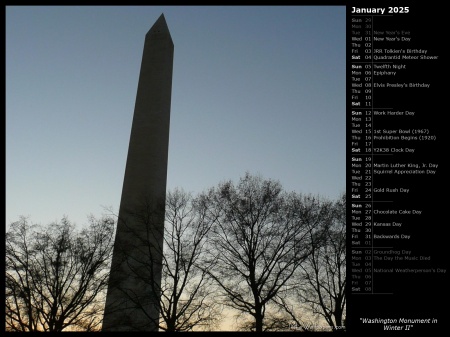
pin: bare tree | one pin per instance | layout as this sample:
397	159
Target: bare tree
185	291
56	276
321	290
260	237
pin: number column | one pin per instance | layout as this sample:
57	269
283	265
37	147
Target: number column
361	144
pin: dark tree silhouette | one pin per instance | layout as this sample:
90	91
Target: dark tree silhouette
56	276
321	289
186	289
260	236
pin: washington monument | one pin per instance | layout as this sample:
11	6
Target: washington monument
132	299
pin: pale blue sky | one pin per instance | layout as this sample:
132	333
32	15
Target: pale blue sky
258	89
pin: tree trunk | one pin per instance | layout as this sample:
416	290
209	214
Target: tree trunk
338	316
259	319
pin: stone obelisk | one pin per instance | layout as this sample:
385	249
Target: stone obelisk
133	291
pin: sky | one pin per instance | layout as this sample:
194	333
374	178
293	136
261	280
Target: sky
255	89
